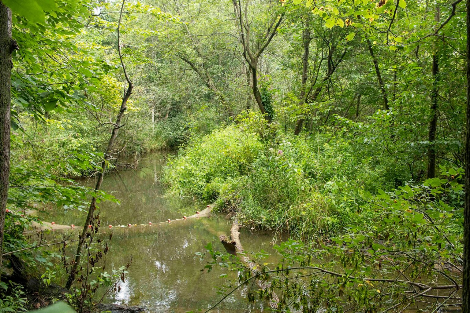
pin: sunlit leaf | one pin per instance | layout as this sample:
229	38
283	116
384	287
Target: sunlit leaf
350	36
30	9
330	22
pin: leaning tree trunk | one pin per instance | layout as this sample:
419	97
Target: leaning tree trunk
7	45
107	156
466	250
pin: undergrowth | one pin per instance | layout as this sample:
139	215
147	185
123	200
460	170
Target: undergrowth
311	186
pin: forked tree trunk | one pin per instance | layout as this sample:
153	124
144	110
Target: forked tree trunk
6	48
252	56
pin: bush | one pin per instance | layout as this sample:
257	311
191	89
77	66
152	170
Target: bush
206	163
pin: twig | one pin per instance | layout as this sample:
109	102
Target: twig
393	18
232	291
35	247
452	13
443	302
119	44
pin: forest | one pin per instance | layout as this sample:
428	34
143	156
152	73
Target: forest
289	155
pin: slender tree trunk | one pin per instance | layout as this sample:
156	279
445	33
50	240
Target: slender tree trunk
332	66
434	102
358	105
248	84
307	38
107	156
433	122
379	75
466	226
395	84
7	45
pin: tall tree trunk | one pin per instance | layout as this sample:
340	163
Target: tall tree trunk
107	156
307	38
256	92
433	122
379	75
466	226
434	100
7	45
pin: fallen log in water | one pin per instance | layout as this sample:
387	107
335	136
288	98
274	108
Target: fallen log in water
51	226
248	263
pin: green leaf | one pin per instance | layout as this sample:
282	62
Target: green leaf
47	5
350	36
297	1
85	72
59	307
330	22
402	4
50	105
418	218
340	22
30	9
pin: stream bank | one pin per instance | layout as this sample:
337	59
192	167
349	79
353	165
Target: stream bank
167	273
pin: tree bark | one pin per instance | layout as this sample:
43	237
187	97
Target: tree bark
379	75
248	84
358	105
466	226
107	156
7	45
256	92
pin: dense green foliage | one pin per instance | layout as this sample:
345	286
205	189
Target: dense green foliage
360	152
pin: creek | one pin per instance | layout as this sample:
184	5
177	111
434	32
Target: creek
166	273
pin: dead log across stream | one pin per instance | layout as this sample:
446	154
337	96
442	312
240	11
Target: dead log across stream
52	226
252	266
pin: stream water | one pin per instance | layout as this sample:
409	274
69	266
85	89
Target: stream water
166	274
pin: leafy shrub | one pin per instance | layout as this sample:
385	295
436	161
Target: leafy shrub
13	298
206	163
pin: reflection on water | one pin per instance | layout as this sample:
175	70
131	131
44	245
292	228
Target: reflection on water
166	275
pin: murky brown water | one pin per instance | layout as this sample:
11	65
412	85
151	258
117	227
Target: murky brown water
166	274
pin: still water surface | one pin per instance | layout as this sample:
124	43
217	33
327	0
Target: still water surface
166	274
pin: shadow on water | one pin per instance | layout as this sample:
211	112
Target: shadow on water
166	274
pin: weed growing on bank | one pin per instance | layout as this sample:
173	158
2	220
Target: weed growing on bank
310	186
